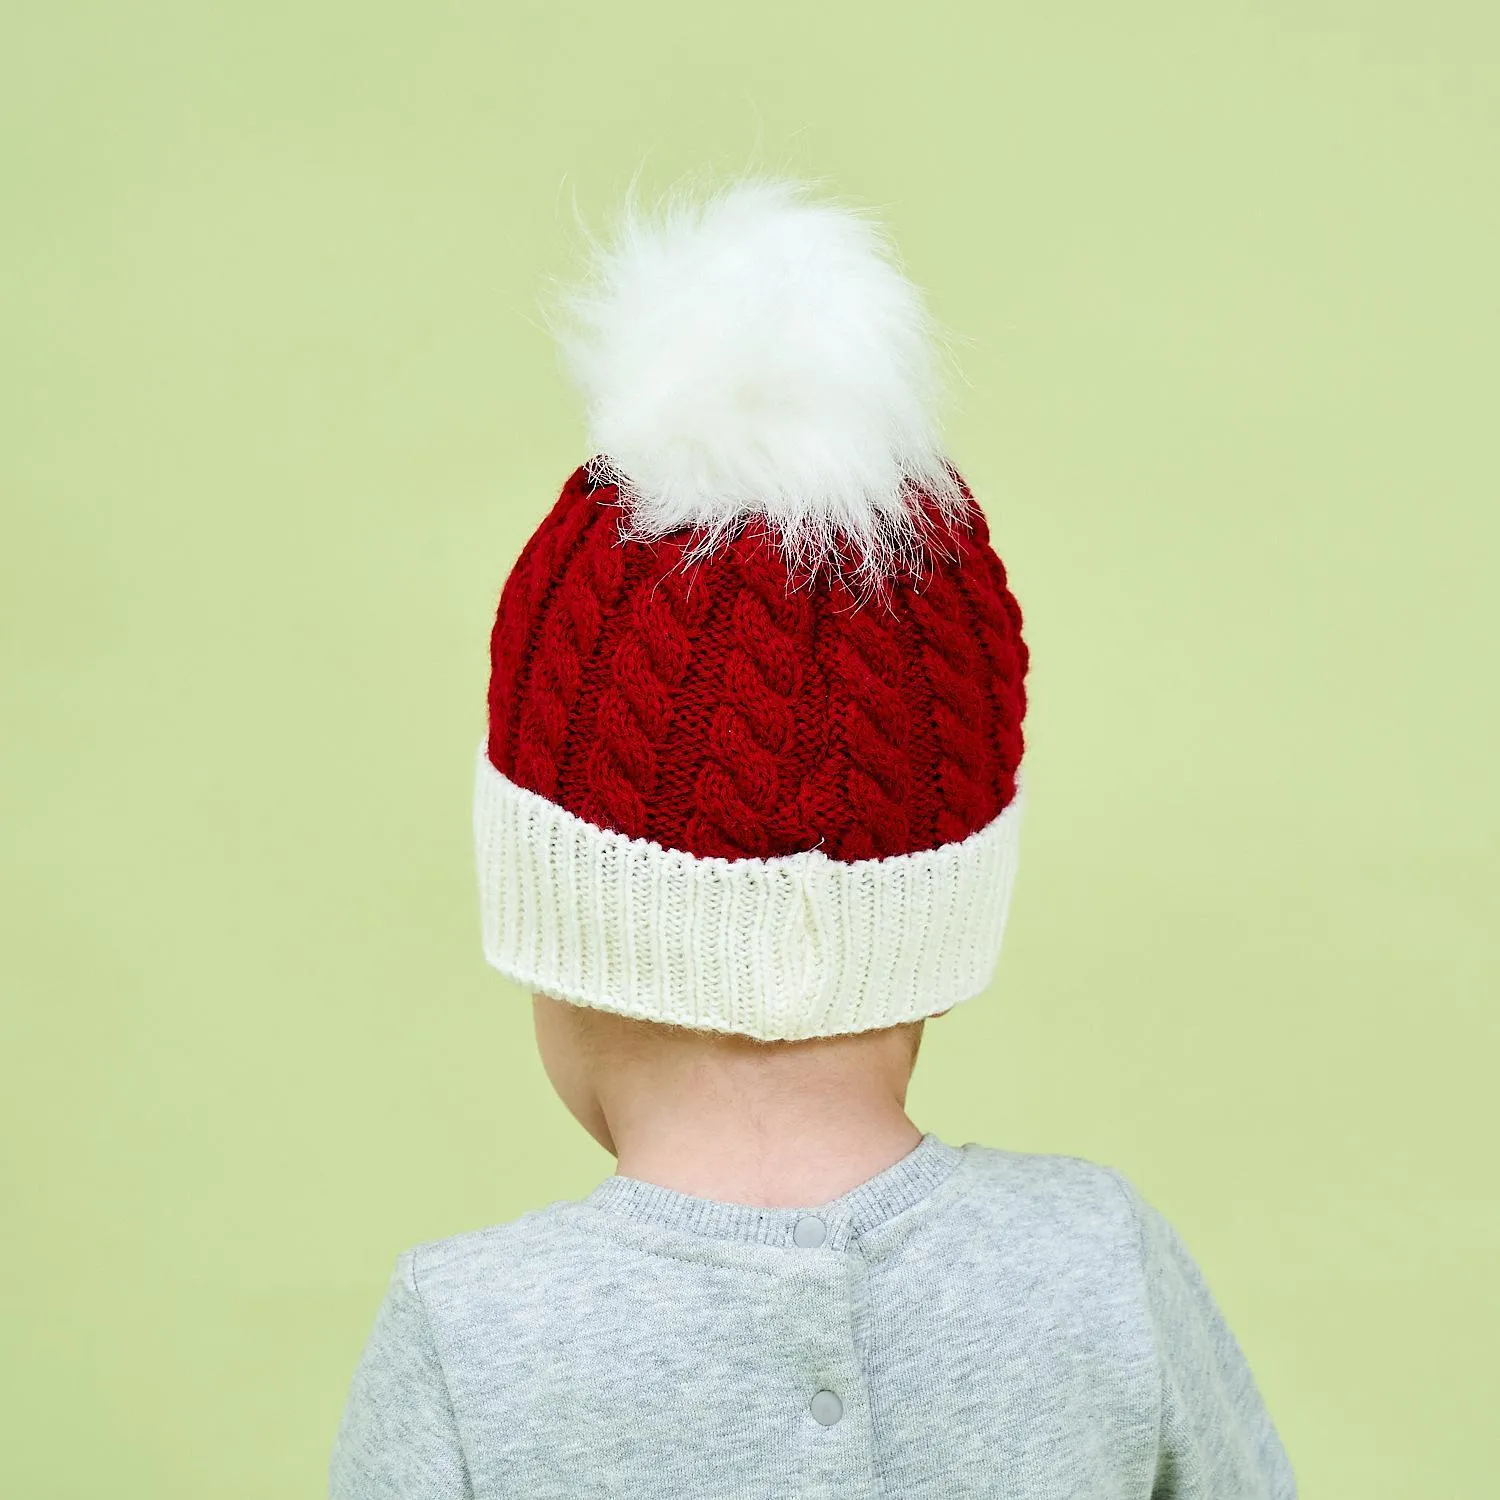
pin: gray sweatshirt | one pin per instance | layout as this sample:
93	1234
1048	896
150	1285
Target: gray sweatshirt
970	1322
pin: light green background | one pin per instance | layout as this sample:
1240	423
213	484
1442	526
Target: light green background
278	414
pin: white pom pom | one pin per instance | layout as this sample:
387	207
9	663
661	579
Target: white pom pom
760	355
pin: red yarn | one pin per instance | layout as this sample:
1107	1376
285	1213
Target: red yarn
714	706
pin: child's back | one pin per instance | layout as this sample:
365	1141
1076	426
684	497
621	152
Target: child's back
969	1322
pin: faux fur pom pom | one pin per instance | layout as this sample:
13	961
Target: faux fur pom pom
760	354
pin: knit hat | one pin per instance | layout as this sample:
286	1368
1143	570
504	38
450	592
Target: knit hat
753	753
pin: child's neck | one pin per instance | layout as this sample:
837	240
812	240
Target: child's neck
795	1159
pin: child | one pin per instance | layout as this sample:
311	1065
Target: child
746	814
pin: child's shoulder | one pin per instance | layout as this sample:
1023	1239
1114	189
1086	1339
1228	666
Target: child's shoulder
1051	1189
469	1248
1049	1173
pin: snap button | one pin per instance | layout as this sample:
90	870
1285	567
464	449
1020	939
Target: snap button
827	1408
810	1232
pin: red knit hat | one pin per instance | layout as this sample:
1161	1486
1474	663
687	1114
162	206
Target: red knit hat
753	755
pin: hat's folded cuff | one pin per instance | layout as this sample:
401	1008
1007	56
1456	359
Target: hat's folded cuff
795	946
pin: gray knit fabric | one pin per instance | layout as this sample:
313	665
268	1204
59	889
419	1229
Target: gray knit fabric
971	1322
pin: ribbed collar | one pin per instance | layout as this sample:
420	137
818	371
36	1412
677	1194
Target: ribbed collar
850	1215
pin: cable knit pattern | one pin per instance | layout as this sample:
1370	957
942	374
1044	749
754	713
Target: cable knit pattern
530	582
637	704
714	794
962	709
584	597
1003	665
873	718
717	708
744	800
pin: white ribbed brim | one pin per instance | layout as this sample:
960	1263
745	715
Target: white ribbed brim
796	946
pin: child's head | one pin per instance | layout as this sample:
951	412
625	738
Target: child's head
752	768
